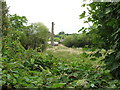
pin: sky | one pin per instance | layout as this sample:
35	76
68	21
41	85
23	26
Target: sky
64	13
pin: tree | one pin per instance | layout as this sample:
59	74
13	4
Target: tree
36	35
61	33
4	17
76	40
106	22
18	22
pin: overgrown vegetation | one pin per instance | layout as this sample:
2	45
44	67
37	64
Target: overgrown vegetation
105	31
77	40
28	68
31	36
26	64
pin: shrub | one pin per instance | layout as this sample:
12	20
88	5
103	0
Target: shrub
20	67
77	40
68	41
32	36
106	31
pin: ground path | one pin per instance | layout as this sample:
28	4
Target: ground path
62	48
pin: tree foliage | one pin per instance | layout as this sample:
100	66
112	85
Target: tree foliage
106	26
31	36
36	36
4	16
61	33
77	40
24	67
18	23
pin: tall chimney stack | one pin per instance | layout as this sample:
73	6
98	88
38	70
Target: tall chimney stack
52	34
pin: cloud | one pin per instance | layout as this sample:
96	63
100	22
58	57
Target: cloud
65	13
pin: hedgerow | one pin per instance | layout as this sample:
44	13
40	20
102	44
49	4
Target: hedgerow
77	40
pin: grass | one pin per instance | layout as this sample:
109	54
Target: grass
79	67
65	52
73	55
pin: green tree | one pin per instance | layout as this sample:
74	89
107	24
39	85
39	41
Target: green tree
61	33
18	23
31	36
36	36
4	16
77	40
106	22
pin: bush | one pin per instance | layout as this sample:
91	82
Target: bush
77	40
105	31
32	36
68	41
20	67
56	39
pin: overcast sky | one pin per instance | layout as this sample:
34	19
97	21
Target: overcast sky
64	13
